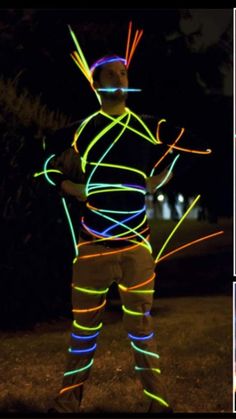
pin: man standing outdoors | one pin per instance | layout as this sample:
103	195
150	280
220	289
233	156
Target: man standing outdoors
108	167
116	151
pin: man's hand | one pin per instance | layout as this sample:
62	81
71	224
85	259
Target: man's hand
74	189
154	181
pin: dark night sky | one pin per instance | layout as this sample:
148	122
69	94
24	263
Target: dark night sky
99	32
37	43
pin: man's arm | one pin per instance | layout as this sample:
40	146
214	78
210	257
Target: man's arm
162	177
67	174
77	190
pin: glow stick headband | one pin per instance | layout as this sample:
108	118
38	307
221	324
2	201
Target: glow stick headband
105	60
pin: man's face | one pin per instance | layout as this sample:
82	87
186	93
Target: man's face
113	74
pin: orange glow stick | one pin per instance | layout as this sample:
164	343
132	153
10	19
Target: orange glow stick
85	310
170	147
69	388
190	244
208	151
128	43
134	46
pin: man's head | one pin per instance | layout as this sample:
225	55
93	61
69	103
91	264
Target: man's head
110	72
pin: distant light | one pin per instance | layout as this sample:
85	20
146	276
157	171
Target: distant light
160	198
180	197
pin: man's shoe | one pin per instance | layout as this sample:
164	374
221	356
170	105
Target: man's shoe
52	411
156	407
69	404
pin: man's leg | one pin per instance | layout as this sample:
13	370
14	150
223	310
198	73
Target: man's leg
136	291
88	301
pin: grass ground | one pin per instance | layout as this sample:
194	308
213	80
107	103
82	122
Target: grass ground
194	336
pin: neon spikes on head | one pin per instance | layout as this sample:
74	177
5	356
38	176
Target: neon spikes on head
79	57
81	62
131	48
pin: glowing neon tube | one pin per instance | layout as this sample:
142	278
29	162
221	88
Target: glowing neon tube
119	237
123	288
70	388
150	137
137	38
90	291
86	310
116	212
84	337
144	242
80	369
135	313
121	223
153	396
169	150
99	136
168	173
80	130
82	351
81	55
104	60
141	337
175	228
158	129
79	326
130	50
143	351
71	226
187	150
124	221
147	369
128	42
190	244
115	89
45	169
